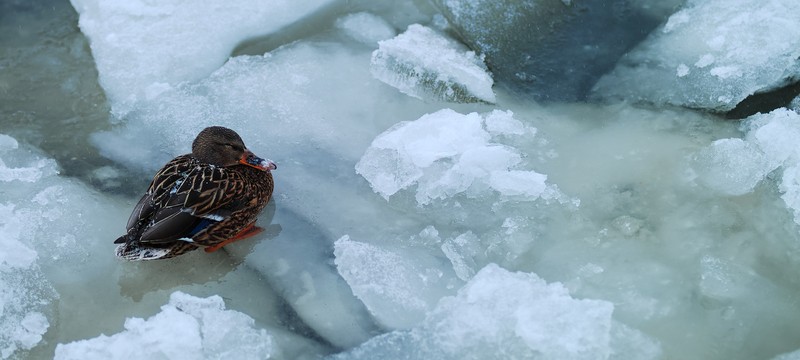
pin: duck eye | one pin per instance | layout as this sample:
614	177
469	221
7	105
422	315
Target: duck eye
235	147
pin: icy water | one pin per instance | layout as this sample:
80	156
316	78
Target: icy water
400	227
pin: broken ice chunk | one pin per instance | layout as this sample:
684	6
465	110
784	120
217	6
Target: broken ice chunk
187	327
731	166
526	184
395	158
7	143
31	171
462	252
398	286
366	28
542	317
502	314
776	134
770	144
426	64
475	167
447	153
724	40
503	122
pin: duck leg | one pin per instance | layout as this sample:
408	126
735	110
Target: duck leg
249	231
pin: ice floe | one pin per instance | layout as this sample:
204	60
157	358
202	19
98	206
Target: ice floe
399	285
187	327
711	55
503	314
144	48
427	64
447	153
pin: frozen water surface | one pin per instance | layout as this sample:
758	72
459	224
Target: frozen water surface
401	228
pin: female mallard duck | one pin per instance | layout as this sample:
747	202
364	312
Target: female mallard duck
205	199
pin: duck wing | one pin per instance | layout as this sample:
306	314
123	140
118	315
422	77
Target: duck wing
184	198
157	193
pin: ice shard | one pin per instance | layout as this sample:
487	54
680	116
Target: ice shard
427	64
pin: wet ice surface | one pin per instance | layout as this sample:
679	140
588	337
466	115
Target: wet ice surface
401	228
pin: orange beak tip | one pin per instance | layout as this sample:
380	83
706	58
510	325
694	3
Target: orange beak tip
250	159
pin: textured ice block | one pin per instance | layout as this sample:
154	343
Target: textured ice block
426	64
711	55
187	327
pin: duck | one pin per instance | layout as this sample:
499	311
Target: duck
206	199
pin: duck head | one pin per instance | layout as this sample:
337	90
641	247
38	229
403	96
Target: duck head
220	146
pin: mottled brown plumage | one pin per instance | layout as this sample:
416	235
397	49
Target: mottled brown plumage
204	199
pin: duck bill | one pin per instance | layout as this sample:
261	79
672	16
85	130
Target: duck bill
250	159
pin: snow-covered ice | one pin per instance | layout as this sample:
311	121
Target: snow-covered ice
427	64
711	55
448	153
503	314
161	45
187	327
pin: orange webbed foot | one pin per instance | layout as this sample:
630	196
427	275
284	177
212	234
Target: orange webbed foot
249	231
